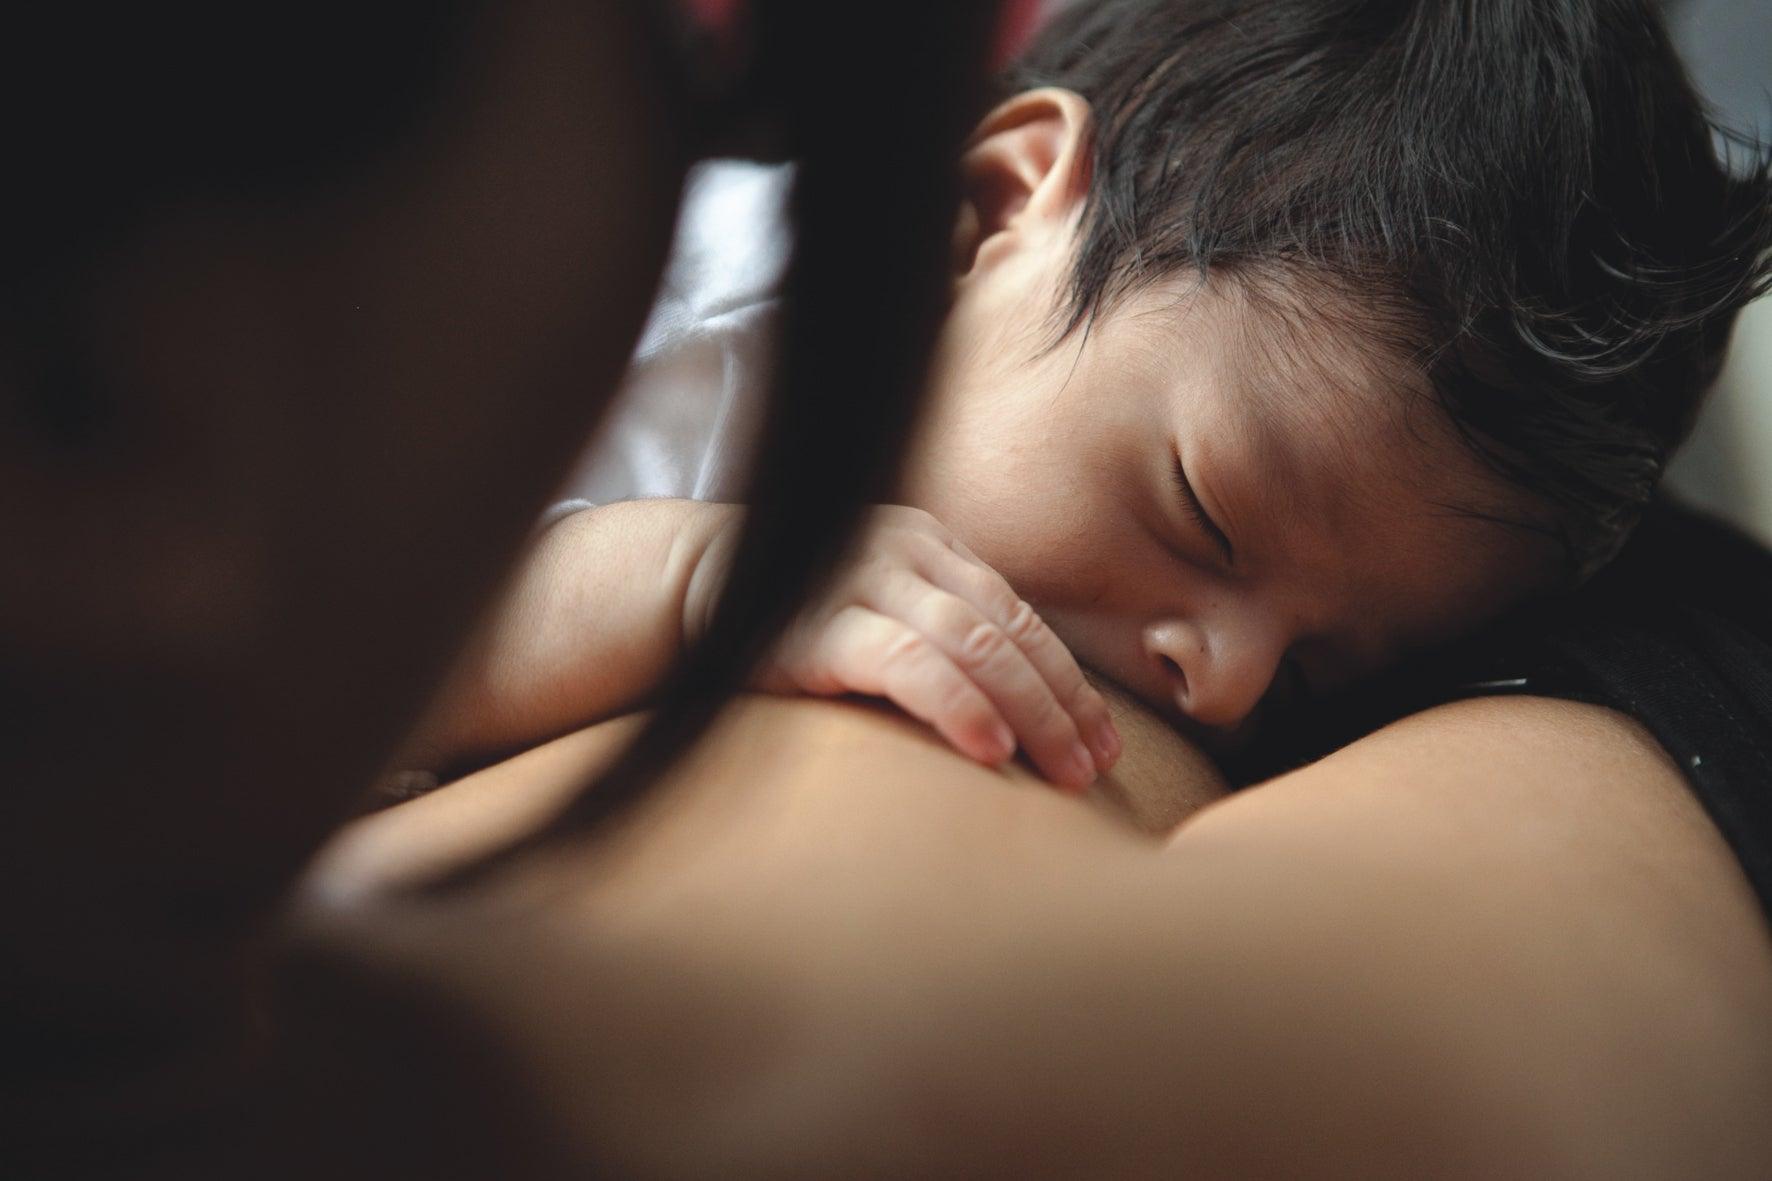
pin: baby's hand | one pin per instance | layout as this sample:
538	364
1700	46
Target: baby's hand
918	619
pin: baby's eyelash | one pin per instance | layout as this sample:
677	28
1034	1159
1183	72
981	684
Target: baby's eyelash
1190	504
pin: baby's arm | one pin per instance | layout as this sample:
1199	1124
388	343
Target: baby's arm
586	630
609	597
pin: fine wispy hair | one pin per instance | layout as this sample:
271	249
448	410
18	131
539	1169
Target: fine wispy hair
1528	195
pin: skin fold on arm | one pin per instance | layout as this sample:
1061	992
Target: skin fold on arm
1498	938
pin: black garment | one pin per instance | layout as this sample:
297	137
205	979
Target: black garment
1676	633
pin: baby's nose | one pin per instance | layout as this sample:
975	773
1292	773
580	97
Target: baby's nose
1215	678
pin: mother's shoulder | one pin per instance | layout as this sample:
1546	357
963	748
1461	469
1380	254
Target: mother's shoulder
1571	794
1560	830
1535	876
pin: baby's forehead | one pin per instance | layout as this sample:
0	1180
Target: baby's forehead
1296	362
1331	417
1324	356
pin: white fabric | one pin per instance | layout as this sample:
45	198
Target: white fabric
686	416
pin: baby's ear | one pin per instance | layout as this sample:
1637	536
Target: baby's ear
1023	174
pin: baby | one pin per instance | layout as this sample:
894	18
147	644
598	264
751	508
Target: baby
1286	339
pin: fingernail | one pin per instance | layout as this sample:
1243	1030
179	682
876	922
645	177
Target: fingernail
1082	766
1004	738
1107	745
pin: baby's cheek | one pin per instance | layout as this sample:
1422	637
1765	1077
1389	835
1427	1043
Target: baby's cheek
1107	645
1034	529
1065	592
1047	562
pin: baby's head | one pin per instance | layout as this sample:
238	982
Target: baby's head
1289	337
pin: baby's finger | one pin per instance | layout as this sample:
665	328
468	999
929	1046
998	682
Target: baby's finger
862	651
962	574
992	660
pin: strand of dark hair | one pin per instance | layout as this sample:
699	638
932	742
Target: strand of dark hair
861	307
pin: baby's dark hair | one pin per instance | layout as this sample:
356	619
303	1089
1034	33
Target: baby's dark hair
1524	196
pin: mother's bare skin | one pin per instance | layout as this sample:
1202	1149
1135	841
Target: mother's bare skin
1496	939
1161	780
